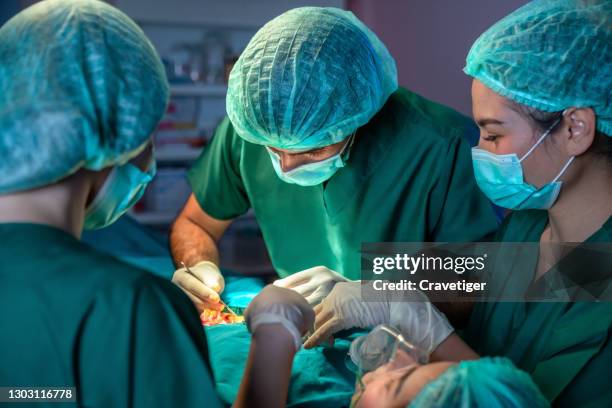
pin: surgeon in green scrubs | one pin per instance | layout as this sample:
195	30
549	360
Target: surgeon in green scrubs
82	91
541	96
329	153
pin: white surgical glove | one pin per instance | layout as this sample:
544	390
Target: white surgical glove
419	321
314	283
203	285
274	305
343	309
409	312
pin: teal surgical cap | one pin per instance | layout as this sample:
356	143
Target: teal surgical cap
550	55
309	78
487	382
80	87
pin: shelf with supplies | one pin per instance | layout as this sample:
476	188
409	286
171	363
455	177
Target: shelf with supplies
154	217
161	218
200	90
177	155
197	60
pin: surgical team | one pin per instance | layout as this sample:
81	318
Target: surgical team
329	152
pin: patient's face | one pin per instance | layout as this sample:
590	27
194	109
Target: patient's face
397	383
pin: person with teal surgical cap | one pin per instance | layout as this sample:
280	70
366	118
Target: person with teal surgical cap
542	97
329	152
82	90
486	382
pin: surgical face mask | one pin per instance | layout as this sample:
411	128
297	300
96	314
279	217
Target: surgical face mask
123	187
500	177
312	173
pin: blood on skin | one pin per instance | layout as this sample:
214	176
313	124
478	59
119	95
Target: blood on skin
211	317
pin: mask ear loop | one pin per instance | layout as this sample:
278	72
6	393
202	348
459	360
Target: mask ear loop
95	202
347	147
540	141
568	162
541	138
563	169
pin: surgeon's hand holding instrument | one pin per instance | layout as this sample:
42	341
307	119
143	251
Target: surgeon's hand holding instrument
202	282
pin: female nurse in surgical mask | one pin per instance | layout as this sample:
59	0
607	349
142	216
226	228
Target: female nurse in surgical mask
541	96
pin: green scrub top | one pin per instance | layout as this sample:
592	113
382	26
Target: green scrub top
74	317
564	345
408	178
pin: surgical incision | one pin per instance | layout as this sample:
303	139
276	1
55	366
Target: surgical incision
211	317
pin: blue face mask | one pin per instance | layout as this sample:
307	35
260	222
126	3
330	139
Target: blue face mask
123	187
500	177
315	173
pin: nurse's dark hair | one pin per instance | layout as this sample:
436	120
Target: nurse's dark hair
542	120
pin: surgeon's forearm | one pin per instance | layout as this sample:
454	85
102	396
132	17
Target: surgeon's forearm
191	244
265	382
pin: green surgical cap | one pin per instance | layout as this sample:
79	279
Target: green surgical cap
550	55
487	382
309	78
80	87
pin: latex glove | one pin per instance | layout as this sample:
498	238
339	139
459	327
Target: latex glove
274	305
419	321
343	309
203	285
410	312
314	283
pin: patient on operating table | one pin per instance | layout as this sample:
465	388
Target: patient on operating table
395	377
392	372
